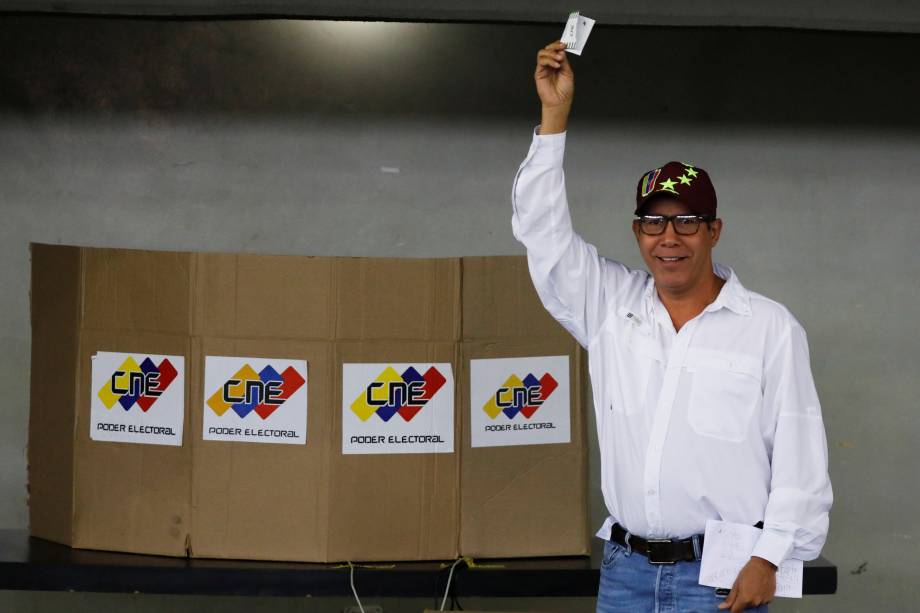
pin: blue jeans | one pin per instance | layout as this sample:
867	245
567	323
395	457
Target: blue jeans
629	584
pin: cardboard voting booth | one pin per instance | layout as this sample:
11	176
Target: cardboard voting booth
299	408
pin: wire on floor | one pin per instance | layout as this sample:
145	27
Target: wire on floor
450	576
351	579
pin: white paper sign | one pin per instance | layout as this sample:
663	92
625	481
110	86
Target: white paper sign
255	400
576	32
397	408
727	548
520	401
137	398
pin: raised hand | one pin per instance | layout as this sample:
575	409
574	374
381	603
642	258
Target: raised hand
555	83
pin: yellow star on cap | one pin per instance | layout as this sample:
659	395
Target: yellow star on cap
691	171
668	185
684	180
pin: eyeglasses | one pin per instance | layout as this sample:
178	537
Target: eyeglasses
684	225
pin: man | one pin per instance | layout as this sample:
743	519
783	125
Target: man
705	403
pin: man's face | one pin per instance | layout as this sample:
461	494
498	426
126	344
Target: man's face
679	263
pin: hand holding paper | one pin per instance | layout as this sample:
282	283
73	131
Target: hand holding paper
555	83
727	550
755	586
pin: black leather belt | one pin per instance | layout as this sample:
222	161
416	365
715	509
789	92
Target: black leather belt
661	551
658	551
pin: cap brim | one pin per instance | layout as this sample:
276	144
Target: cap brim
654	197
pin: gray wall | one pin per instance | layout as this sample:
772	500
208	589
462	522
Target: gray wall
286	137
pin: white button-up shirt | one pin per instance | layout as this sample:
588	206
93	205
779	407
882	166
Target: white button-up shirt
720	420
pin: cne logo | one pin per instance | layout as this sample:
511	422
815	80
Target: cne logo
139	384
522	396
262	392
391	393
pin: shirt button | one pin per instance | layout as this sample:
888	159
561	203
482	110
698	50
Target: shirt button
651	492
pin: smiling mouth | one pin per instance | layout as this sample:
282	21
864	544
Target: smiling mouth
670	259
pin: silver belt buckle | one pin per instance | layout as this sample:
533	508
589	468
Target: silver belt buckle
650	551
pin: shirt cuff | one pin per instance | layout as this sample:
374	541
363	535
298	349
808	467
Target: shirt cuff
547	148
773	546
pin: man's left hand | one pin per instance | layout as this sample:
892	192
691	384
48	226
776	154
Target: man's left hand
755	585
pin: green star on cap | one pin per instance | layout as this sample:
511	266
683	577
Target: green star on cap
684	180
669	185
691	171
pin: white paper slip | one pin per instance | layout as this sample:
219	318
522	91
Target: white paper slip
728	548
789	579
576	32
570	33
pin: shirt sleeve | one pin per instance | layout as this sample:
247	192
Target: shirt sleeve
797	514
569	276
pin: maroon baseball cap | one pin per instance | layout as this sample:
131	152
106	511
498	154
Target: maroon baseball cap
678	181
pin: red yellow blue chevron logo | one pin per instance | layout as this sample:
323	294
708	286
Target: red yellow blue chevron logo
393	393
261	392
141	384
524	396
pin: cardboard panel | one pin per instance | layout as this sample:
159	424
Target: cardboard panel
398	299
258	500
292	502
525	500
136	291
520	500
55	317
129	497
499	301
392	507
259	296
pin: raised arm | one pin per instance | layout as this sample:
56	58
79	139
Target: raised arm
569	276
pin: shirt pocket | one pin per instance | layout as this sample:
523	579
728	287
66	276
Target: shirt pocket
724	394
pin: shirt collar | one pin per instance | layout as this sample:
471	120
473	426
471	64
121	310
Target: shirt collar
732	296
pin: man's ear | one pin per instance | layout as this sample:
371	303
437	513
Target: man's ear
635	228
715	230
